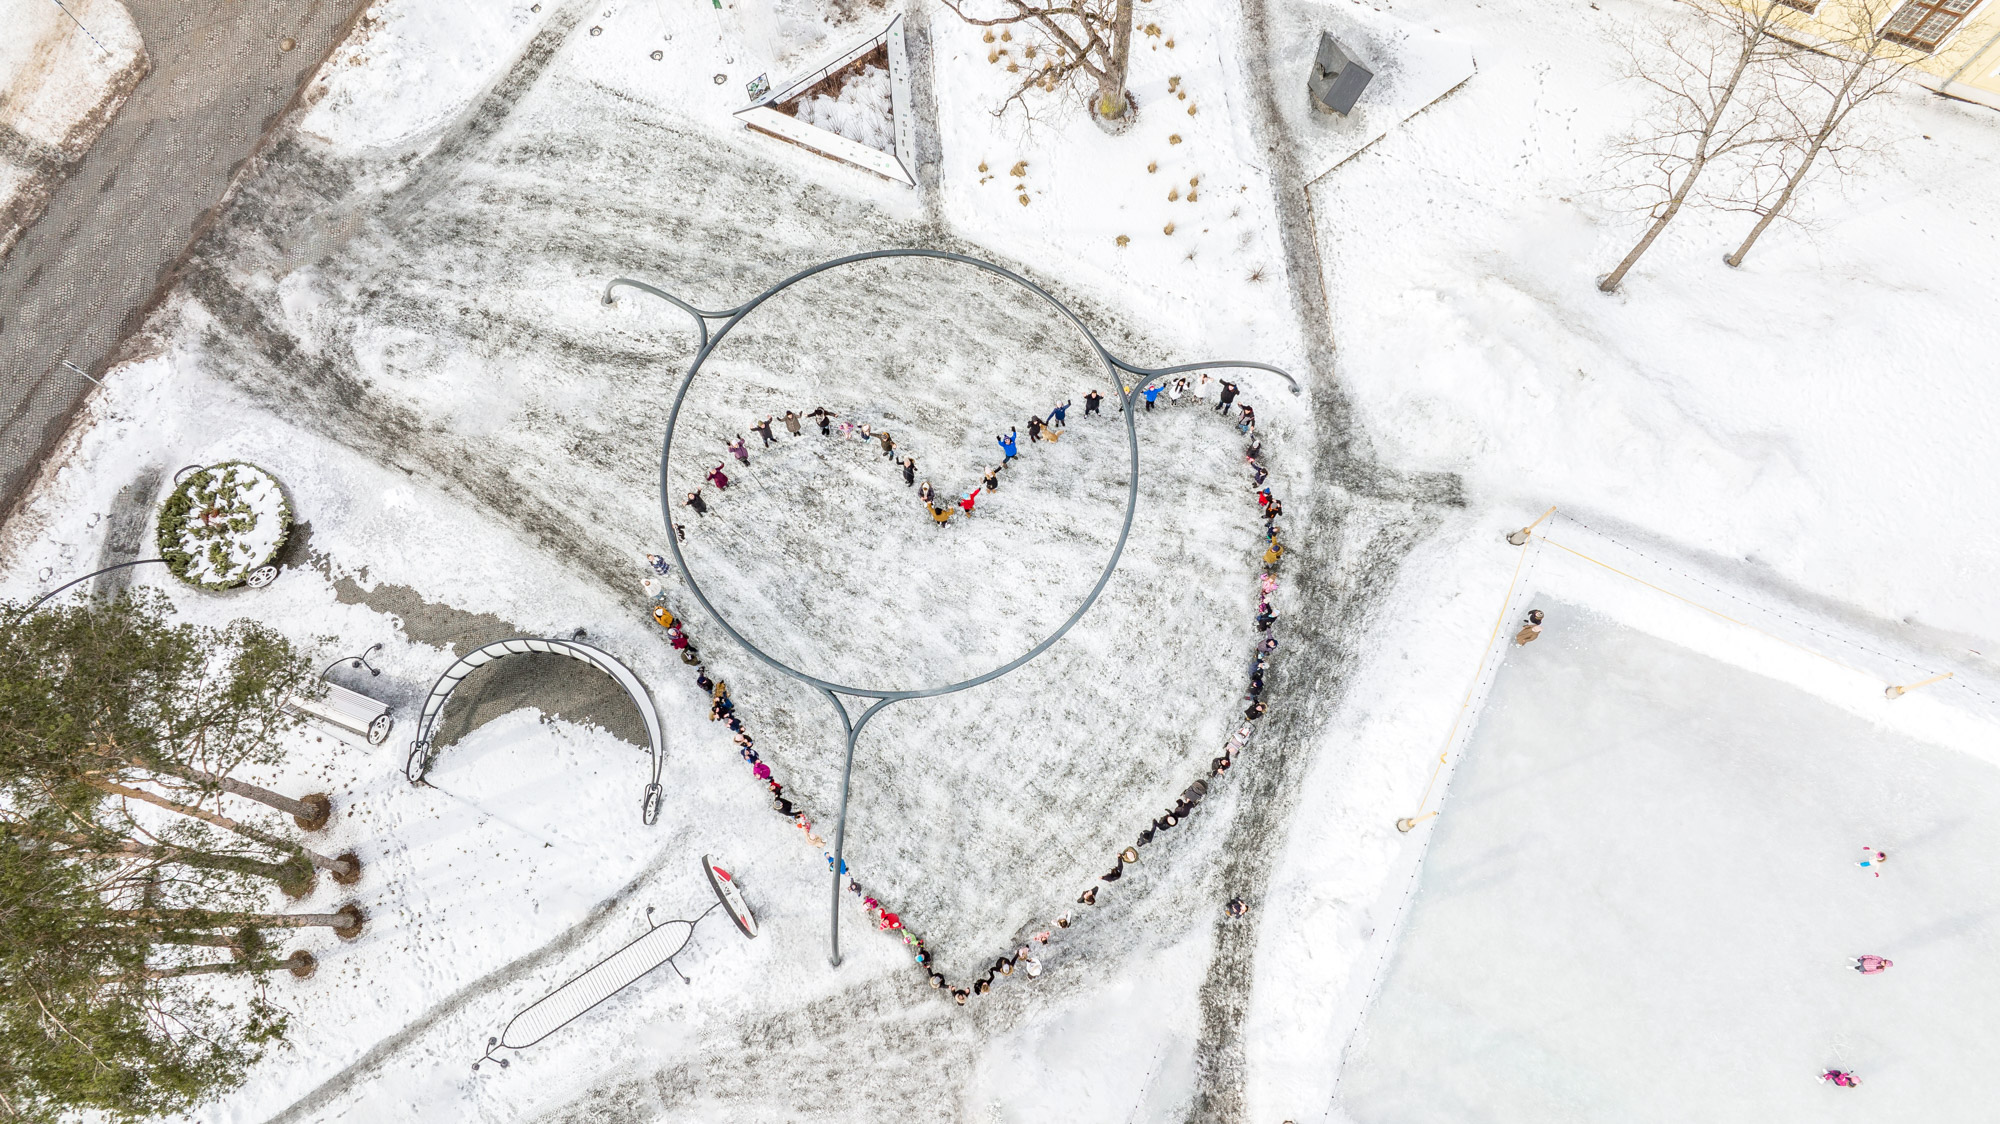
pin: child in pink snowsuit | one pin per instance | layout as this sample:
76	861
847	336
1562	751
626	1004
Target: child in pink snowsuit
1871	964
1841	1078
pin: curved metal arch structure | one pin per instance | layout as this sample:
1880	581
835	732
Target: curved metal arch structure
423	754
1115	368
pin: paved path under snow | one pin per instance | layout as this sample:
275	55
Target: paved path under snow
81	279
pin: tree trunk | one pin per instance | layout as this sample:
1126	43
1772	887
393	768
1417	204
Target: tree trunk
346	867
1835	114
1698	162
1609	282
311	814
1111	104
295	877
347	922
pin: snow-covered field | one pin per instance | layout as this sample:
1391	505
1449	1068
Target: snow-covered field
1779	470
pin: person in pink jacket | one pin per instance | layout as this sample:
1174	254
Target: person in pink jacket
1870	964
1841	1078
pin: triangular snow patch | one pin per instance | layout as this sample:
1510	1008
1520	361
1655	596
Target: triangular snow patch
855	109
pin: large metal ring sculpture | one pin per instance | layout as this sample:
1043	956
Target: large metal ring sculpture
423	754
851	726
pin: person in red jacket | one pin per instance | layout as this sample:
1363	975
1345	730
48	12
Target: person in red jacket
965	504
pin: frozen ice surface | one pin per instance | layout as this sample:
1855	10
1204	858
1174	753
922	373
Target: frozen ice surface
1640	901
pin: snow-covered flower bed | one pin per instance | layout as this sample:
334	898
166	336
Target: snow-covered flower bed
222	523
861	111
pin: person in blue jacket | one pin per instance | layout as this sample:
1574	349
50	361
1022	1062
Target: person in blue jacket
1008	443
1059	416
1153	392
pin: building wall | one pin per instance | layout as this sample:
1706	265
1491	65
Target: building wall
1964	64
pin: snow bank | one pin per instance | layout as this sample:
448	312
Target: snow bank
60	84
363	97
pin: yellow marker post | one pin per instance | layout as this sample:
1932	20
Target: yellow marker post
1896	692
1520	537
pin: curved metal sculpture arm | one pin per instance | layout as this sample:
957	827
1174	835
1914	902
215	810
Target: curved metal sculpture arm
701	318
1151	373
840	827
37	602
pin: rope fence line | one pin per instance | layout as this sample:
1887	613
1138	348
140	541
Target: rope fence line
1845	640
1478	673
1715	612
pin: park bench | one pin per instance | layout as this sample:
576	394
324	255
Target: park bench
348	710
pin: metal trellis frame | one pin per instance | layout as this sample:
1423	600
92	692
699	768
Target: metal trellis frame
423	754
1114	368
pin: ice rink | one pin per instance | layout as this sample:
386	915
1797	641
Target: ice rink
1641	898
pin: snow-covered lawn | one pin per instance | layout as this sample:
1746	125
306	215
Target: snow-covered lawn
1641	899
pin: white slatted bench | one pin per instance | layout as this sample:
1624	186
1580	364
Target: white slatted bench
348	710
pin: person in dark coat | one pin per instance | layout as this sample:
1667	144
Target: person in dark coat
1059	417
763	429
1090	403
1256	710
888	444
909	471
992	480
824	417
1034	429
1227	396
695	501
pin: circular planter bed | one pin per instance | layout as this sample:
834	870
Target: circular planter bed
223	524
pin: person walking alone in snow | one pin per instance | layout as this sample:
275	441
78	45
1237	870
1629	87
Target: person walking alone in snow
695	501
791	420
1840	1077
1090	403
763	429
1059	417
1873	859
1529	630
909	471
1008	445
1237	907
1870	964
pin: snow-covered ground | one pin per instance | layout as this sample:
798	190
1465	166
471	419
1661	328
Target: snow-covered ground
1778	469
64	71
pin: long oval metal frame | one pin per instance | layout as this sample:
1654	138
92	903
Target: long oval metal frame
851	726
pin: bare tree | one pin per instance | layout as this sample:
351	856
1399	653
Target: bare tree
1818	94
1087	42
1709	108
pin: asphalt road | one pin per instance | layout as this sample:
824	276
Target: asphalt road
82	278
